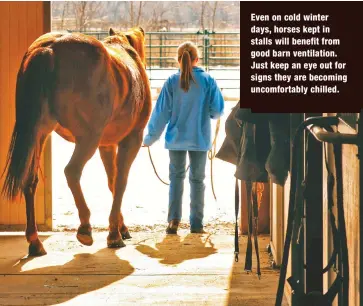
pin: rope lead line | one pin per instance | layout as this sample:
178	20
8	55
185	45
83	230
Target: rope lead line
211	155
156	172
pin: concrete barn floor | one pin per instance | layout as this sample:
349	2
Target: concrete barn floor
153	269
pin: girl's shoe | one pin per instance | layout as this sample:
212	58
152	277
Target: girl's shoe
198	231
172	227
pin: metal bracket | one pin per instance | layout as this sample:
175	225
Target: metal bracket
317	129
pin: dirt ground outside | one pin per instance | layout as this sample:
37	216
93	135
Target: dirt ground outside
145	203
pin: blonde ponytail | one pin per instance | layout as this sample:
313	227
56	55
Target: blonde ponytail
187	53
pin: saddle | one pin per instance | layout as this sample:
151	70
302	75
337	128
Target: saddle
258	144
256	160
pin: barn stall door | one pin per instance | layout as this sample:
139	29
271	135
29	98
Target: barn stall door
20	24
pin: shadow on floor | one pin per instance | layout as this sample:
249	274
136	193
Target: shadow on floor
50	285
247	289
172	250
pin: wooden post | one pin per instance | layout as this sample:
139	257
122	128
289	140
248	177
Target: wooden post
21	23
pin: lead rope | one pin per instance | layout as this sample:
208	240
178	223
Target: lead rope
211	155
156	172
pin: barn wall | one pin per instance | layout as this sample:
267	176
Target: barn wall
286	197
279	213
351	207
20	24
277	222
351	213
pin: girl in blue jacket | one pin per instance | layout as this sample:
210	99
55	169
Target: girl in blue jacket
186	104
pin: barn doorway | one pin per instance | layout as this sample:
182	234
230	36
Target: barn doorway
219	51
147	209
153	268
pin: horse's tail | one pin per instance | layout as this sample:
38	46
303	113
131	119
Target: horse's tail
32	89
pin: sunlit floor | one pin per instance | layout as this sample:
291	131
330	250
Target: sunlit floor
153	269
145	203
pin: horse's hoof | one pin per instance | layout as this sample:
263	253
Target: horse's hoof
116	244
126	235
84	235
114	240
36	248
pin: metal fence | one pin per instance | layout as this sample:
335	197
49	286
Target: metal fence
219	55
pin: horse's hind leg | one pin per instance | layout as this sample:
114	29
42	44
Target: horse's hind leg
86	146
108	156
35	245
127	151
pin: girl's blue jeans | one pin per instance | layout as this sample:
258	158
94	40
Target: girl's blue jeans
177	167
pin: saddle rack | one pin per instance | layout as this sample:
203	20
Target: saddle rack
321	129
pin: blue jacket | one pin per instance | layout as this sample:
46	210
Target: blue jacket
186	114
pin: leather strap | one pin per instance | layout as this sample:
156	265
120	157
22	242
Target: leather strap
330	191
248	260
236	207
252	211
255	227
339	234
291	212
344	262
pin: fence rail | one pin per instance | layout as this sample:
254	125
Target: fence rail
219	55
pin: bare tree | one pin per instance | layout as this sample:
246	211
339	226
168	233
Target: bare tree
135	19
204	5
214	10
85	11
139	13
132	13
80	12
157	20
152	15
64	13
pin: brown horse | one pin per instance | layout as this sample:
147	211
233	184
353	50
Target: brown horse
93	93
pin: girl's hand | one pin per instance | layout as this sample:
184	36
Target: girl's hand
144	146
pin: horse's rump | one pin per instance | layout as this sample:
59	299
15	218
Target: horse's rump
84	85
94	93
32	117
96	83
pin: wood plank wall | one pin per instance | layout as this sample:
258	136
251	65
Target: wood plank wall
351	213
351	207
20	24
